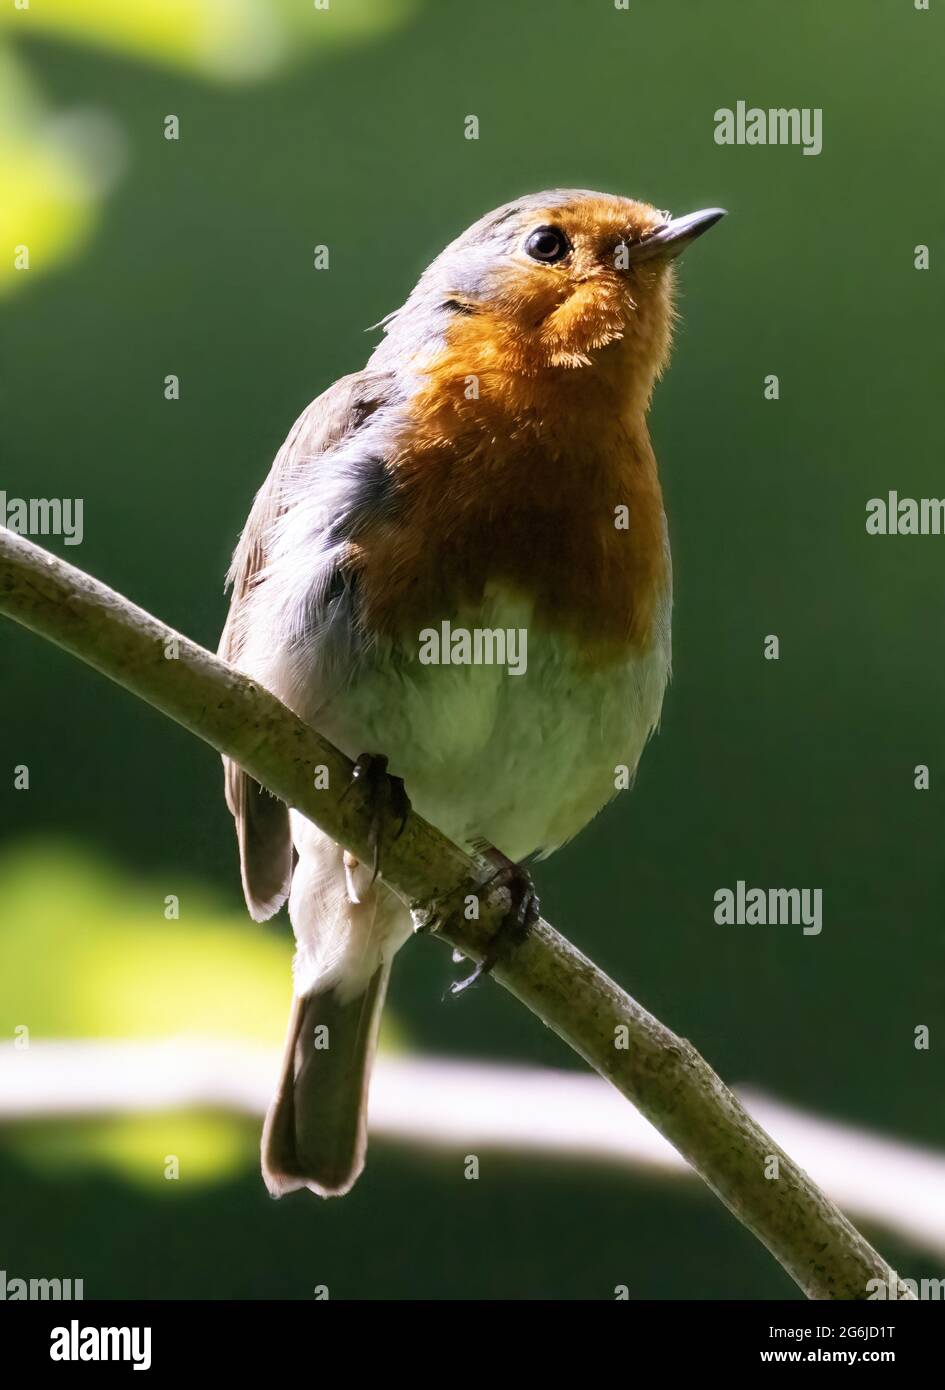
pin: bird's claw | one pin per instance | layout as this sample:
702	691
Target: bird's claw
388	800
523	912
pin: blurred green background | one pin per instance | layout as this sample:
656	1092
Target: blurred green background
151	257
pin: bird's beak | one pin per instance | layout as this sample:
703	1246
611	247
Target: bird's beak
673	237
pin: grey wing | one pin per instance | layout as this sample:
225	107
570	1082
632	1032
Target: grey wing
336	417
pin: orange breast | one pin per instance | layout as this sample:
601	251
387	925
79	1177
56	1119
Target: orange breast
520	479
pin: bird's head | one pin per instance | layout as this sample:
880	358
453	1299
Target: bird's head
553	283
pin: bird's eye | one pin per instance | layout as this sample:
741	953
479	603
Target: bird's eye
547	244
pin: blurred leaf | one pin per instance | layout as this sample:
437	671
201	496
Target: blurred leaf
218	38
209	1146
52	171
227	40
86	952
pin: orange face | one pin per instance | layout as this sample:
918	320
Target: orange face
553	283
572	285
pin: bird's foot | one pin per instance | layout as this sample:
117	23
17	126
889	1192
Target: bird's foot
523	912
388	800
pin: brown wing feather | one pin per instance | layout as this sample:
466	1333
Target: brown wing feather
262	820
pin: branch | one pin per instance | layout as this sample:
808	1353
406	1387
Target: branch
455	1107
663	1075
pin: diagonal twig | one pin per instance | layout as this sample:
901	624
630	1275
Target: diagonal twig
662	1074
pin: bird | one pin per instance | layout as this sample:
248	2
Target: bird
490	469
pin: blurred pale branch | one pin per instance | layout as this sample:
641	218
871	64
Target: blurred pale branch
663	1075
449	1105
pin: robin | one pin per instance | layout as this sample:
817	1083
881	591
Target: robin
488	472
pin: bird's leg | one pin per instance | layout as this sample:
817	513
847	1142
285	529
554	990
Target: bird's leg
388	800
524	911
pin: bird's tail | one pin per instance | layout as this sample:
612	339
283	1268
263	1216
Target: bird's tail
315	1134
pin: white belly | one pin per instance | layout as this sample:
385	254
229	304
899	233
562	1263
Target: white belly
522	762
